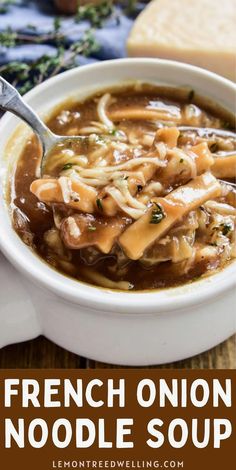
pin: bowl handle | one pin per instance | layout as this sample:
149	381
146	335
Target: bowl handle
18	319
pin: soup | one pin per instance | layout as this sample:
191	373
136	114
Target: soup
138	202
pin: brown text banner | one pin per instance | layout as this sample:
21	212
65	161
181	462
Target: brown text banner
127	418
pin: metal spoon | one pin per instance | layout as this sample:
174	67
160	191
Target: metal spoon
11	100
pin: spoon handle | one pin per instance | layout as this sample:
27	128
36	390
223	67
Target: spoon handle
11	100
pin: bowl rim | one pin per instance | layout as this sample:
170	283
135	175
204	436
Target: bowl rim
141	302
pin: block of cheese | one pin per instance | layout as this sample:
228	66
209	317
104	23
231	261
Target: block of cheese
198	32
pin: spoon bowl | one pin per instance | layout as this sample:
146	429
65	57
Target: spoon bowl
11	100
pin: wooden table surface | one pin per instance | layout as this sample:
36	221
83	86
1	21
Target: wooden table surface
41	353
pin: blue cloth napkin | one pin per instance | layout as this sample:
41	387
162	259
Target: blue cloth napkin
111	38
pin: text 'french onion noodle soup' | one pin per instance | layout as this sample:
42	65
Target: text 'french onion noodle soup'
139	204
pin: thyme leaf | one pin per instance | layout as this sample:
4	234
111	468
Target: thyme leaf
157	214
226	228
57	23
8	38
113	132
99	204
67	166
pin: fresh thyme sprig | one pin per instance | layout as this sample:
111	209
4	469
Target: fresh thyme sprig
25	76
95	14
99	13
8	38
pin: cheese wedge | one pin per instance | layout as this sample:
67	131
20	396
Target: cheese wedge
198	32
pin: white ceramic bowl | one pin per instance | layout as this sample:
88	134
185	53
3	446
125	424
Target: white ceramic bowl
122	328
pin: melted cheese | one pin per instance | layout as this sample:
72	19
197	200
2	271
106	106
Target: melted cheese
198	32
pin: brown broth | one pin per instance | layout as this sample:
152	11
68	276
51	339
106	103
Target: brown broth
32	218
